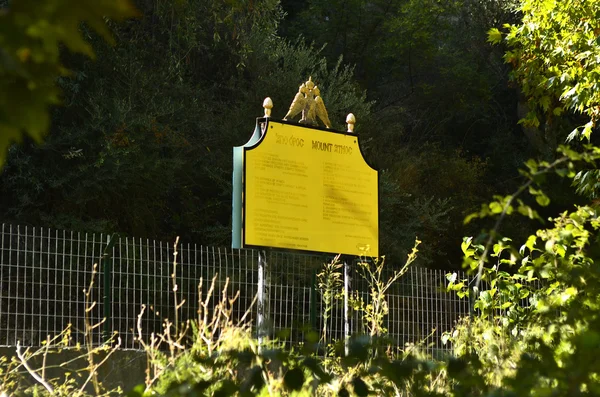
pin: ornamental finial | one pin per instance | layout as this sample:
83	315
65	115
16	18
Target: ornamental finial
350	120
308	101
268	105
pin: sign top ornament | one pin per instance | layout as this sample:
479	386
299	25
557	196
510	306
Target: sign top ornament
308	101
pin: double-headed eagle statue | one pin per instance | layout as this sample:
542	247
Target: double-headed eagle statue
308	101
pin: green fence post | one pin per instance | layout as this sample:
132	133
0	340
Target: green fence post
107	271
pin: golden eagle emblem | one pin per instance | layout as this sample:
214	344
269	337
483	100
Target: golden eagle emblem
308	101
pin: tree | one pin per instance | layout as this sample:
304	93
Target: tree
30	35
143	143
440	96
554	52
546	289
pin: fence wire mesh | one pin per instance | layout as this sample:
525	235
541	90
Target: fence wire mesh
44	273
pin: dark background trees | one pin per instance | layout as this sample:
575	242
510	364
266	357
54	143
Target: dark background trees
142	143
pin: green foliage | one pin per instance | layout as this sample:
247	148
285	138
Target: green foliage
553	51
281	373
427	193
375	310
497	349
29	372
535	306
442	131
544	332
156	116
30	35
330	283
213	356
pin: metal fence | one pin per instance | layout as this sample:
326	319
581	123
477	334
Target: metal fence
44	273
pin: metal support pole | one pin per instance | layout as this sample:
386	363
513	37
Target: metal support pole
346	307
262	312
313	301
107	296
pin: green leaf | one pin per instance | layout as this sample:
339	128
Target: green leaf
253	379
451	277
457	286
137	391
527	211
531	242
464	246
470	217
568	293
228	388
587	130
30	64
456	366
343	392
497	249
360	387
284	334
494	36
201	386
294	379
560	250
545	102
496	207
313	365
542	200
445	338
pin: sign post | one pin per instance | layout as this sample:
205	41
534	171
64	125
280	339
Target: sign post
262	298
306	188
346	307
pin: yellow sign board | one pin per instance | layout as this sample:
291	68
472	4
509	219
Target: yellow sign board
308	189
